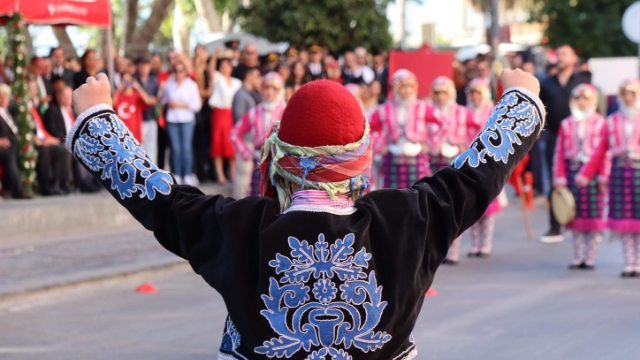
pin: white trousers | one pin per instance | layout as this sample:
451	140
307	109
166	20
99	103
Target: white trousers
150	139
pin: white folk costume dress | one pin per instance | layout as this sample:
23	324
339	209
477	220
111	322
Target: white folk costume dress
620	139
399	133
321	279
258	122
578	137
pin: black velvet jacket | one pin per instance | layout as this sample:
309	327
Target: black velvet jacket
321	283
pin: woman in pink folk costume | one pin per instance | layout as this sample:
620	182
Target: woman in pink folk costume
448	135
259	121
358	92
620	139
578	136
480	103
399	133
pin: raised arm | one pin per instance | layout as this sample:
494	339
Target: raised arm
184	220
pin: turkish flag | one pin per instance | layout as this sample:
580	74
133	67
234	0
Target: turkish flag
60	12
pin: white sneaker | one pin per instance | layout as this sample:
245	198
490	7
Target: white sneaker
191	180
178	179
552	237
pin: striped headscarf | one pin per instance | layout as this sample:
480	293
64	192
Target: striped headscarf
338	170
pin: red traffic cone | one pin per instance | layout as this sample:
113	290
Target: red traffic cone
431	292
146	288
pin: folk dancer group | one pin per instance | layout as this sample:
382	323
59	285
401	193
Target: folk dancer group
417	138
414	138
595	157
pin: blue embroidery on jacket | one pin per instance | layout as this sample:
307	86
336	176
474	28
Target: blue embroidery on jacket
514	117
231	339
105	144
303	323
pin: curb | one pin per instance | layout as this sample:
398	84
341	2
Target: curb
92	281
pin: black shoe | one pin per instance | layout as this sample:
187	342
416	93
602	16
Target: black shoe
474	254
64	190
588	267
576	266
22	196
449	262
47	191
482	255
629	274
89	189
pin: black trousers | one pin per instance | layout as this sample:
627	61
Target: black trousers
201	144
535	166
548	155
163	143
54	166
10	172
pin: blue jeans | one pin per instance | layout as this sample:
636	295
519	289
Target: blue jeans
181	139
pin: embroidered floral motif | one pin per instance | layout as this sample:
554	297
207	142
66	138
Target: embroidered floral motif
514	117
303	323
105	144
231	340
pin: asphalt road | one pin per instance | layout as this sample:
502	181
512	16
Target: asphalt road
522	303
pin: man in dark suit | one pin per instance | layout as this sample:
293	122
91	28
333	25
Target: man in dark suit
8	141
45	91
57	122
54	161
58	71
555	93
58	118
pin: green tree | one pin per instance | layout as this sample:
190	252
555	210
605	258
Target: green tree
338	24
592	27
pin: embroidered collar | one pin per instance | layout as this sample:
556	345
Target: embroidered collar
320	201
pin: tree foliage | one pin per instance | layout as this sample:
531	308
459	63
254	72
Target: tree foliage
338	24
592	27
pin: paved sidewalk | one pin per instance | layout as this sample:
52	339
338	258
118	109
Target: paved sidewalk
62	261
42	218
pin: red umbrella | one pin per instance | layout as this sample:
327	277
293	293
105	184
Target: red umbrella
55	12
63	12
74	12
8	7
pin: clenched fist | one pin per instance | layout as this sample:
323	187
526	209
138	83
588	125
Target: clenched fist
96	91
513	78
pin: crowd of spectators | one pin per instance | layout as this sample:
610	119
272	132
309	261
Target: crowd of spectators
180	108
